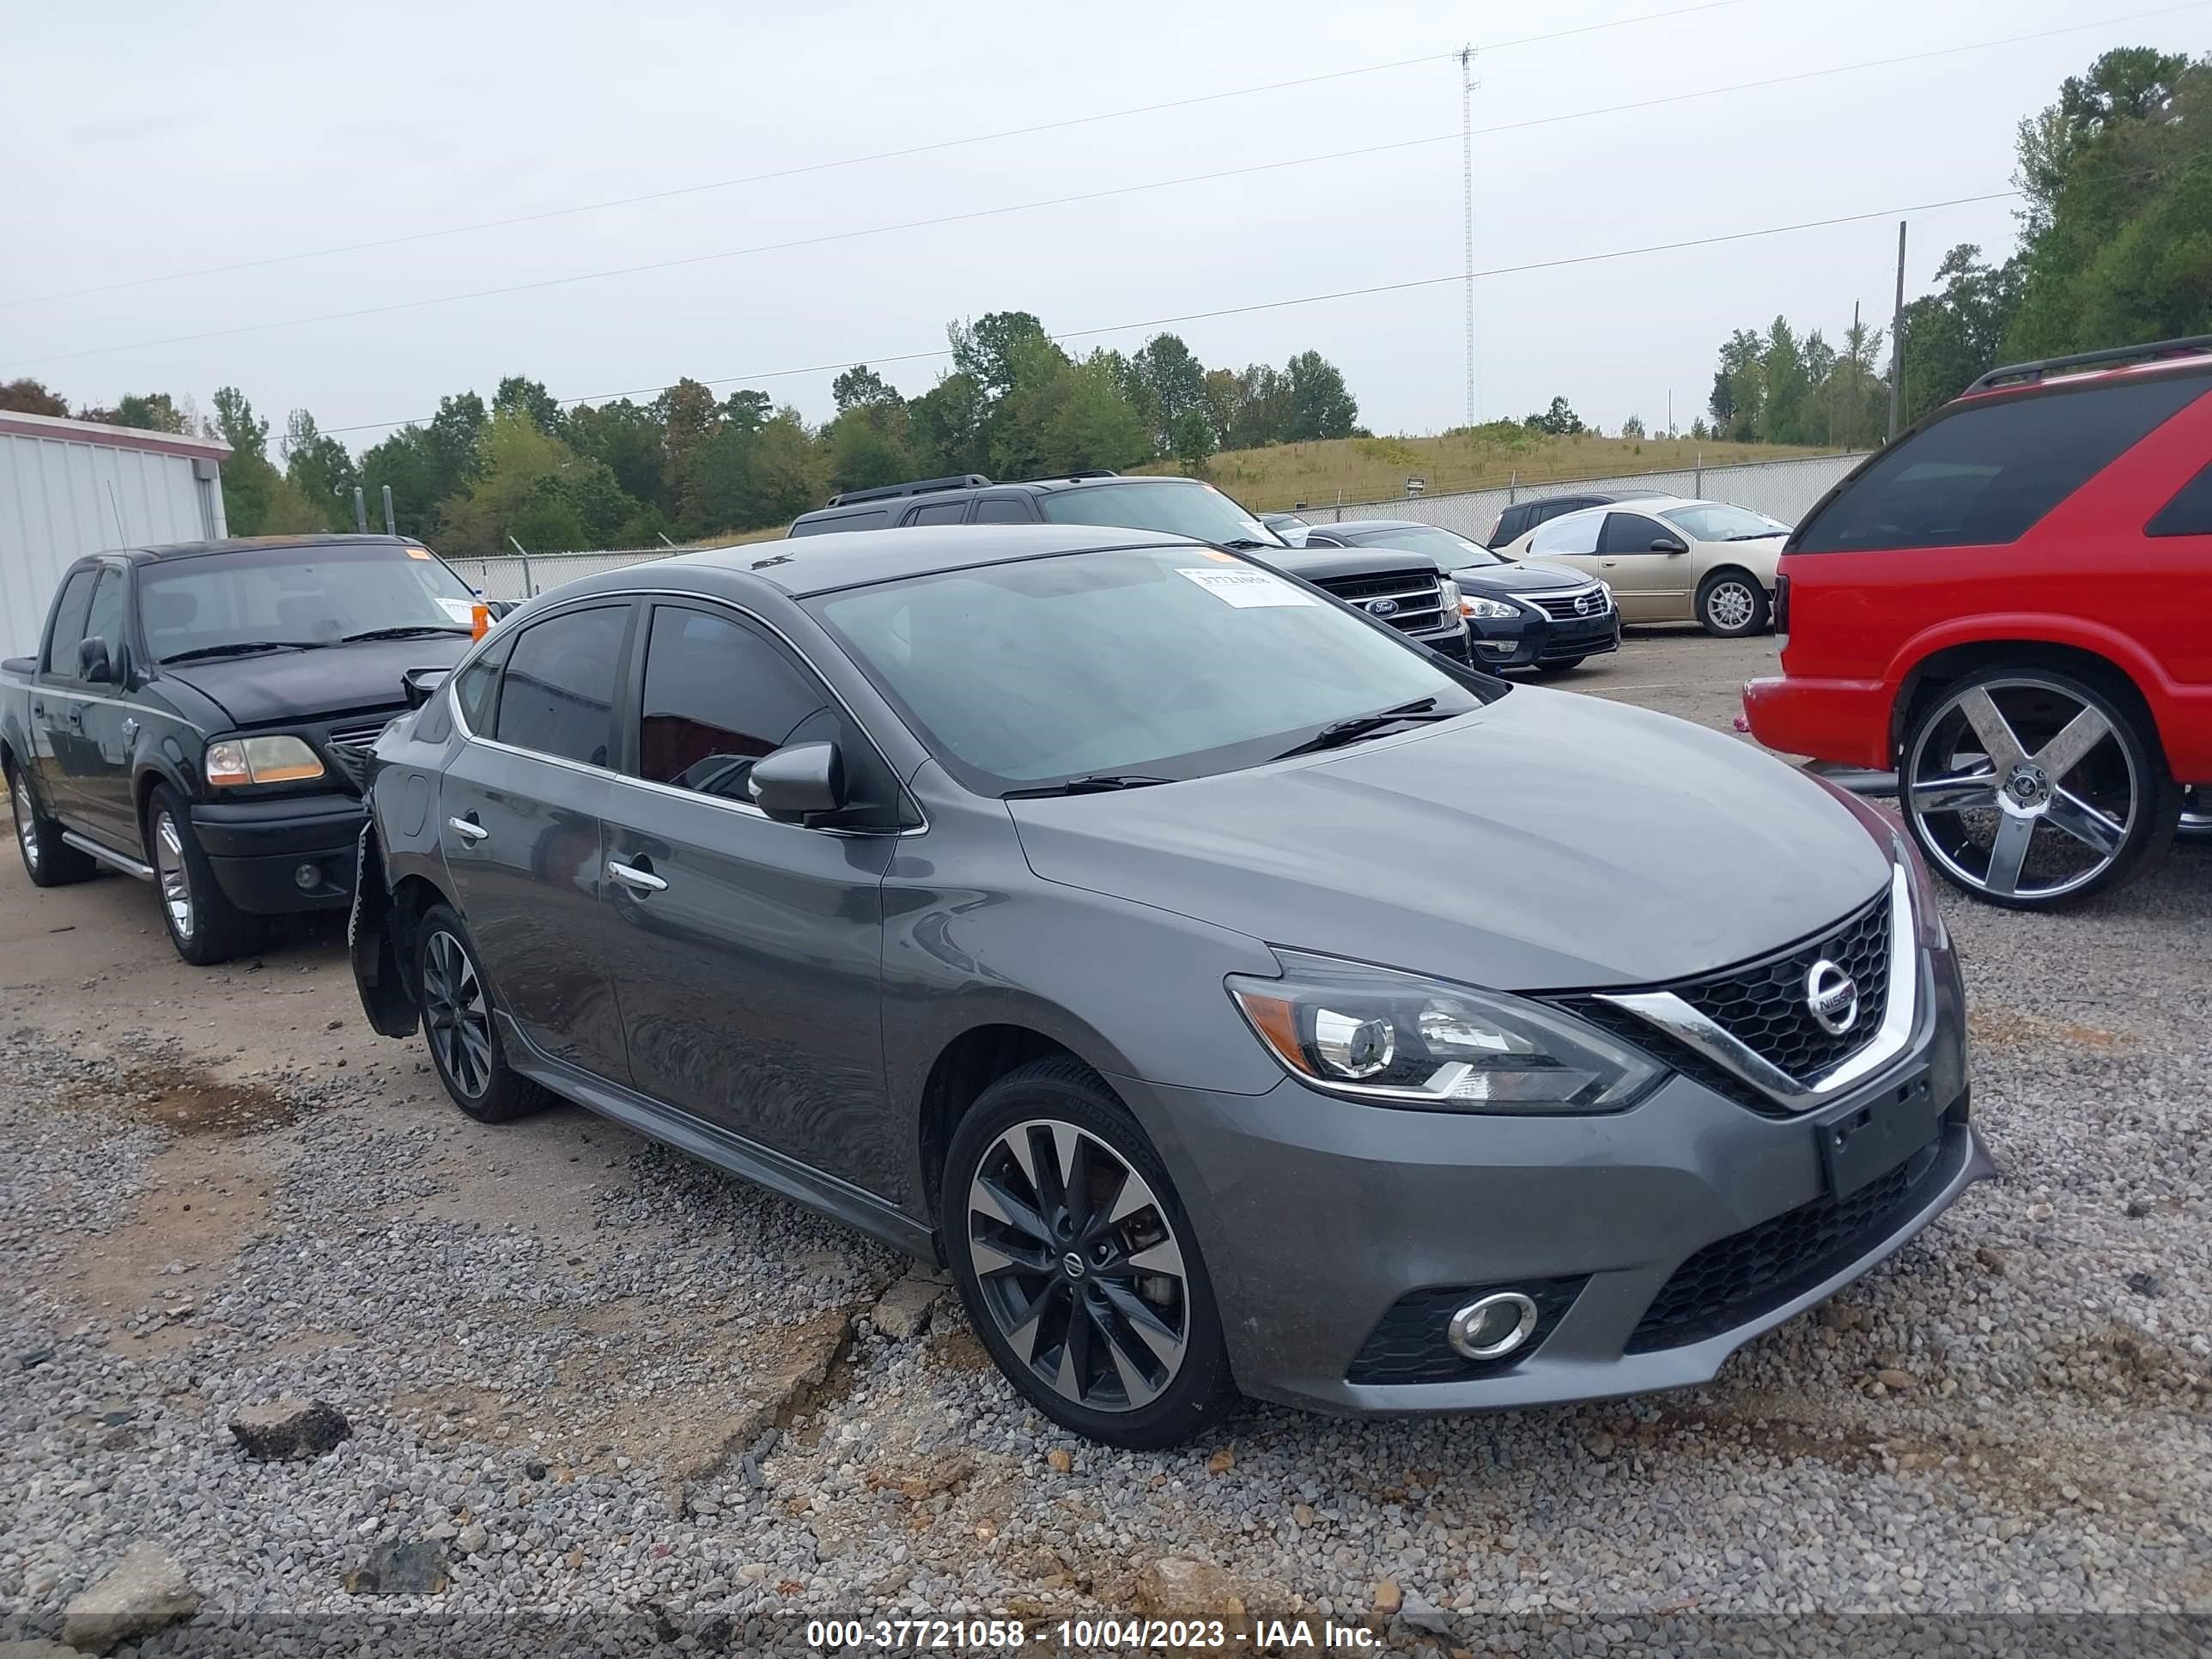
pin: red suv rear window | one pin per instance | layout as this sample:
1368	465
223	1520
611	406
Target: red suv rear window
1987	472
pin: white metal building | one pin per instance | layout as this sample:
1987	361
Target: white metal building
70	488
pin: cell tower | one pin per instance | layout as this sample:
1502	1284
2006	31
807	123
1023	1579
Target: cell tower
1468	83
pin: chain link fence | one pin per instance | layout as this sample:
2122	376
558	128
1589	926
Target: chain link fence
1782	489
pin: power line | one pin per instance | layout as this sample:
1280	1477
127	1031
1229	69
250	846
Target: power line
932	148
1086	195
1270	305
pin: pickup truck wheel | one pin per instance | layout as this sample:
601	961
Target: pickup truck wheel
1731	604
1077	1263
2031	789
204	925
48	860
457	1024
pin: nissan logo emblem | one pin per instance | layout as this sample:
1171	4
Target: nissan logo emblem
1382	607
1832	996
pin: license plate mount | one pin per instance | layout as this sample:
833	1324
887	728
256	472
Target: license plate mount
1875	1135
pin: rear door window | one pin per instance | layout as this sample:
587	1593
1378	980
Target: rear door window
557	696
1571	535
874	519
939	513
1002	510
2190	512
1988	473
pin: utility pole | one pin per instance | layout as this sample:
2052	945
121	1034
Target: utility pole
1897	340
1468	83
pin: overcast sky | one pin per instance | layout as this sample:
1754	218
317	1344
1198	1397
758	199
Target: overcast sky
144	139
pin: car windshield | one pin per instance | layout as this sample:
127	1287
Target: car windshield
1162	664
269	597
1451	549
1197	510
1715	523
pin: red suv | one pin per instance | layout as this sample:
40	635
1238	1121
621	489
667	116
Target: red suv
2012	606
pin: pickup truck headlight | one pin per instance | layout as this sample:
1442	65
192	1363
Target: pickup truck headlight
1376	1034
1448	593
1498	610
261	760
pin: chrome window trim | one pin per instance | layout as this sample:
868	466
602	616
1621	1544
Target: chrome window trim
744	809
1698	1031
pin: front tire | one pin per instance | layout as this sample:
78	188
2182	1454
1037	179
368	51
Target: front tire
1077	1263
464	1038
48	860
2031	789
202	923
1732	605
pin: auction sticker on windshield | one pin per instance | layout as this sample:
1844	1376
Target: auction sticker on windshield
1248	589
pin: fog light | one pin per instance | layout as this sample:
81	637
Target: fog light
1493	1327
1499	647
307	878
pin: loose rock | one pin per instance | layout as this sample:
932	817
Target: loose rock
417	1567
142	1593
279	1430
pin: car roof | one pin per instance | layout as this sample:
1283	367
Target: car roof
1643	504
804	566
867	502
262	543
1351	525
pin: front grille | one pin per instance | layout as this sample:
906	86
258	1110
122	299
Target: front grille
346	748
1407	1344
1764	1006
1676	1056
1571	605
1419	599
1748	1274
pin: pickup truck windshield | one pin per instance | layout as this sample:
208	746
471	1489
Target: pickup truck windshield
1196	510
1142	665
274	597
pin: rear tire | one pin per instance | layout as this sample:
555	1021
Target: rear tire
464	1038
2031	789
48	860
1077	1263
202	923
1732	605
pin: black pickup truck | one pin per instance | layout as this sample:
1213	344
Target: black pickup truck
200	716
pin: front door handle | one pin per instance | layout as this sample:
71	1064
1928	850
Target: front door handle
468	829
643	881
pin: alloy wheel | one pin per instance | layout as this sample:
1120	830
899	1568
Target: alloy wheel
1730	604
457	1014
2021	789
1079	1266
176	881
27	826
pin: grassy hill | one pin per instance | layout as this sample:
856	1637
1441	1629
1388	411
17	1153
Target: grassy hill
1375	469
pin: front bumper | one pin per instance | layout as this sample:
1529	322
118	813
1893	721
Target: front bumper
1523	643
1318	1216
258	847
1841	721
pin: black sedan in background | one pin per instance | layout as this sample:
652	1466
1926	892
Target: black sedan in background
1517	615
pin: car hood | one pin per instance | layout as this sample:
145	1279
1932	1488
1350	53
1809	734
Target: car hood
307	685
1315	563
1517	578
1546	841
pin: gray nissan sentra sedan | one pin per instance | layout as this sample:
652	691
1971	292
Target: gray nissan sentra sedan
1060	903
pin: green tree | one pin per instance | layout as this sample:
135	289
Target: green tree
1320	405
1191	441
530	486
749	478
1560	421
861	387
626	439
1958	332
426	464
29	397
865	449
944	427
1168	383
518	394
323	470
1632	426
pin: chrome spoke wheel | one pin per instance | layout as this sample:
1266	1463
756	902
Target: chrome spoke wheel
27	826
456	1014
1079	1266
2023	790
1730	604
176	882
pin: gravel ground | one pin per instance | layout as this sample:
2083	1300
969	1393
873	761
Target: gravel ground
612	1386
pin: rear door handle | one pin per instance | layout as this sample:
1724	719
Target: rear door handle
643	881
468	829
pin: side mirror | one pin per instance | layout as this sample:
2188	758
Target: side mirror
499	609
798	782
1668	545
421	685
91	664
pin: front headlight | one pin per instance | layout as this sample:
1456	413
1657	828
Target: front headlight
261	760
1376	1034
1448	591
1496	609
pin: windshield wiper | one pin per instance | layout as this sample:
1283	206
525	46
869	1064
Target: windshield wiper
1094	783
411	631
243	647
1754	536
1337	734
1244	541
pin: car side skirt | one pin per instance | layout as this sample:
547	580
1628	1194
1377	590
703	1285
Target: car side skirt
759	1164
